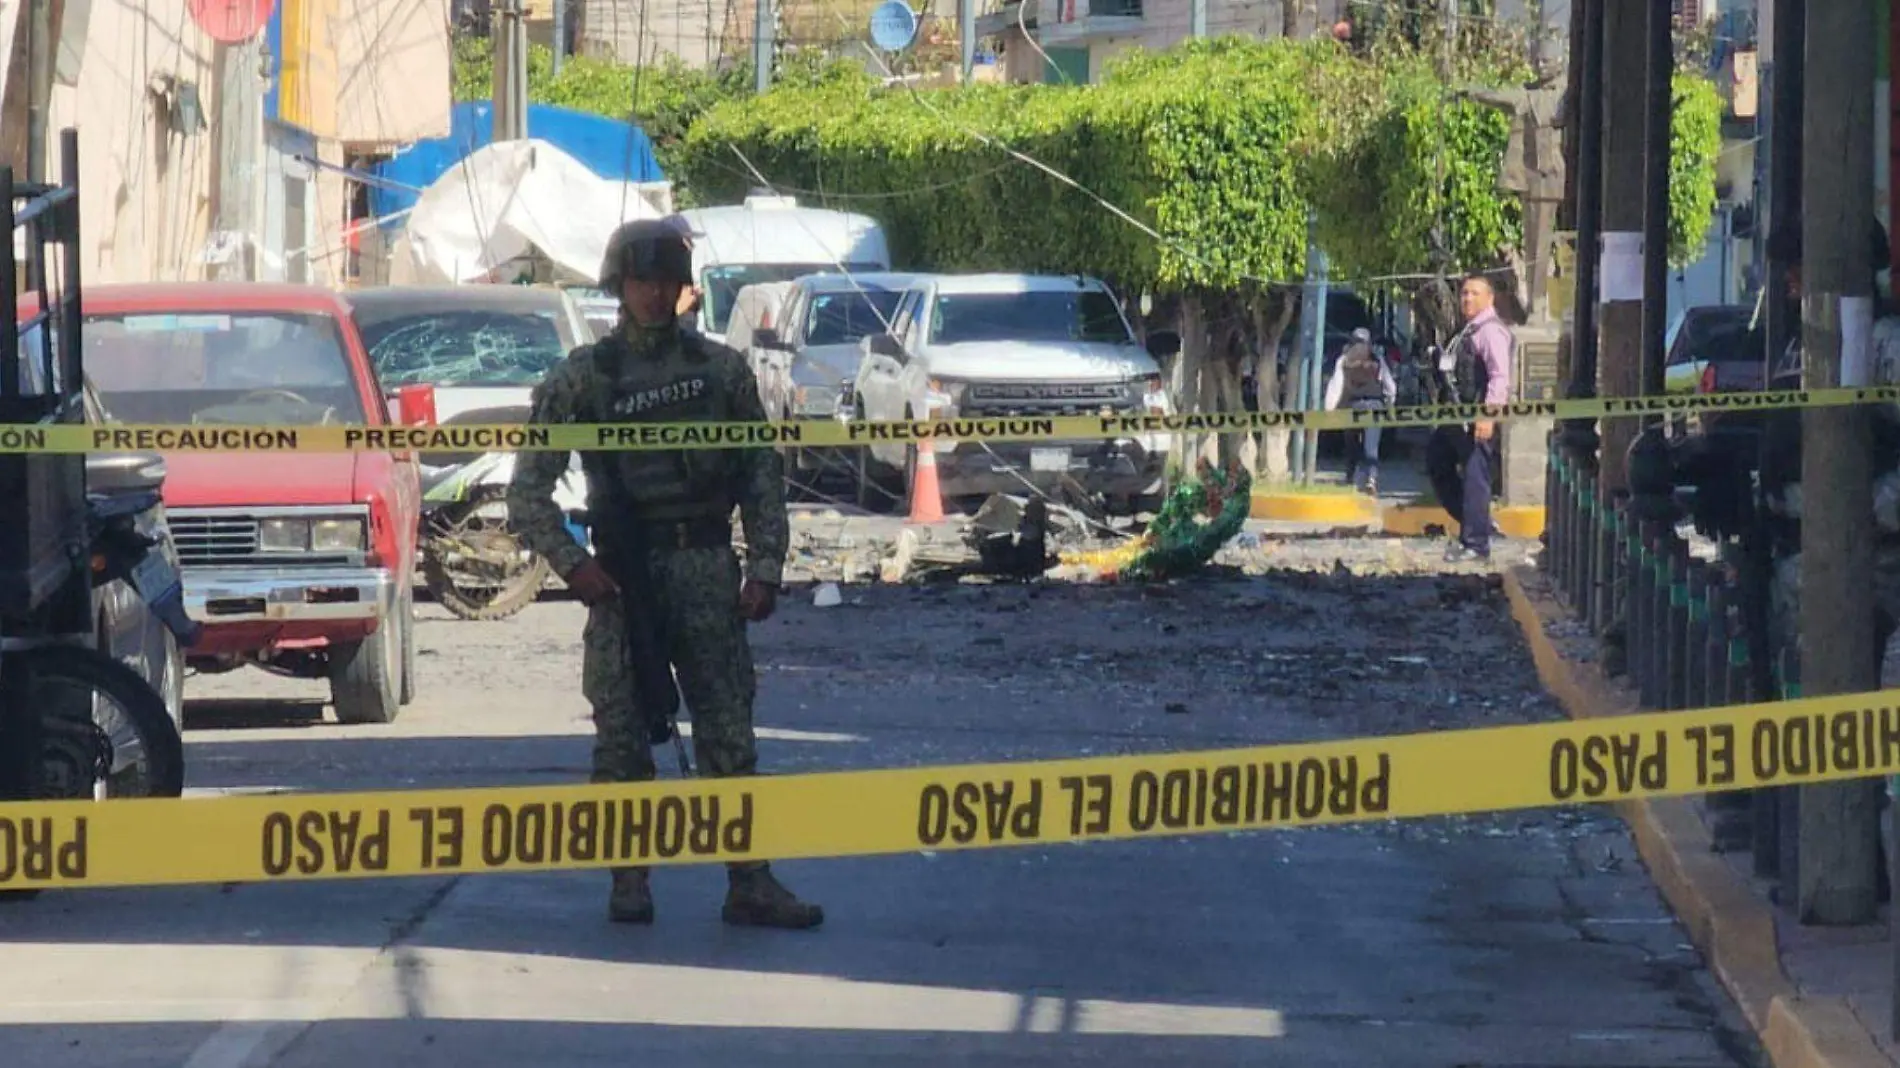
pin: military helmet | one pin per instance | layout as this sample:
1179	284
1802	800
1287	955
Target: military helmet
647	250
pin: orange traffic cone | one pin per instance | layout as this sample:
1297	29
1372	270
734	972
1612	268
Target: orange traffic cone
926	493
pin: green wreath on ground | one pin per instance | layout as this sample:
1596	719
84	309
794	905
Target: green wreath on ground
1198	517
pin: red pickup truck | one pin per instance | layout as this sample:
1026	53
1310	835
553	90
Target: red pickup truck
302	564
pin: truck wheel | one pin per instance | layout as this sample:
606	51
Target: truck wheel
365	683
408	613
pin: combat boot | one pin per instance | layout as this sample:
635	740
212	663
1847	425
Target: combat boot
631	900
756	899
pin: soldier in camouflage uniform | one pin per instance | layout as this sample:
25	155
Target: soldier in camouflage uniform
651	370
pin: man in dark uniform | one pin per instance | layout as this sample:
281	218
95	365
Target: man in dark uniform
665	593
1462	460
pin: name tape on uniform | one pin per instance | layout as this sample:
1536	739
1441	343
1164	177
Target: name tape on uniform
817	433
861	813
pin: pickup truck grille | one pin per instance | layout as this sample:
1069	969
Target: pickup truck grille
213	539
218	537
994	399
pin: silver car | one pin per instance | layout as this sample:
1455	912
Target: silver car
807	361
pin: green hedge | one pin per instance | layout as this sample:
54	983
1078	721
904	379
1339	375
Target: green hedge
1221	145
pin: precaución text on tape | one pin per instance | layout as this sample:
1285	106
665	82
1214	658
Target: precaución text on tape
818	433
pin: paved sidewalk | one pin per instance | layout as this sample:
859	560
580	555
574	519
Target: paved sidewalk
1816	997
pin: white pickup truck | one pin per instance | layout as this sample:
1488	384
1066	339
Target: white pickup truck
995	345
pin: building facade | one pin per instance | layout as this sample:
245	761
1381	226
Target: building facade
214	147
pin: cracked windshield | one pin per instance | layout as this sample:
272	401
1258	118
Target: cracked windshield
251	368
463	348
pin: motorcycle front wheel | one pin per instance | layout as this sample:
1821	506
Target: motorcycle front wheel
477	568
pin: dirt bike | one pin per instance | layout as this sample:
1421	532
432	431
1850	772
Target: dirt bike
473	563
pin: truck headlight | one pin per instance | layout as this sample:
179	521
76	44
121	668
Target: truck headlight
942	399
310	535
336	535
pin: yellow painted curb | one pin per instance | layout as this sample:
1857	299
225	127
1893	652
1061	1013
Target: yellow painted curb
1414	520
1314	508
1728	922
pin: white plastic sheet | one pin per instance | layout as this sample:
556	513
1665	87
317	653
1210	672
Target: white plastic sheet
509	199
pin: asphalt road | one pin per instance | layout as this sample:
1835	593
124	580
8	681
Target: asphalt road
1525	939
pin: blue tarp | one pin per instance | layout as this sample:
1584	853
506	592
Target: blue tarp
599	143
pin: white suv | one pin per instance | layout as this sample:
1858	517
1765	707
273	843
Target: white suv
993	345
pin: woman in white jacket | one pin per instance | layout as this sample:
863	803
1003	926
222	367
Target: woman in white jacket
1361	380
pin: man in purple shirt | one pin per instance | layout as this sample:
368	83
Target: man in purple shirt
1462	460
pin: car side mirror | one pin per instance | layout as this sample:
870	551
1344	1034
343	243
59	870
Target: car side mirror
766	337
415	405
885	344
115	473
1164	345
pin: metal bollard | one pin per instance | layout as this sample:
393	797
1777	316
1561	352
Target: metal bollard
1637	601
1695	646
1557	523
1764	804
1655	587
1602	562
1788	801
1554	477
1675	676
1582	523
1612	565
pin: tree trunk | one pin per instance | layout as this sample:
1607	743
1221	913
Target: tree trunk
1184	383
1271	313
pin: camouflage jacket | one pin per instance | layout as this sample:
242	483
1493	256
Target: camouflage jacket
661	377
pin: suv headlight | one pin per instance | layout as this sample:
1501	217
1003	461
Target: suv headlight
288	535
943	399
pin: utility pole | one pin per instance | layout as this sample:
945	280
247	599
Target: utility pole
239	131
966	38
1660	51
1787	54
1620	277
560	34
39	88
1840	823
761	45
1197	18
510	101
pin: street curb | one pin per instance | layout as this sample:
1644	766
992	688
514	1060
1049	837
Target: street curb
1729	923
1340	508
1416	520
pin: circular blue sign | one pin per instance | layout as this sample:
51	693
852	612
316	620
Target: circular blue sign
893	24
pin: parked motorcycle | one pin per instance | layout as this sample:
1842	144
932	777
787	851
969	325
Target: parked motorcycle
473	564
125	745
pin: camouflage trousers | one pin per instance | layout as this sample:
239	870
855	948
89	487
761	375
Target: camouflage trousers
697	591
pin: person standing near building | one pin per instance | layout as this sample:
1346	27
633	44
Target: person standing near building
1462	460
665	592
1361	381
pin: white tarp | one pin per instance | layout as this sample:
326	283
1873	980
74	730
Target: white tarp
511	198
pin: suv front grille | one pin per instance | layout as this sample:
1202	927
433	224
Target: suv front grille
995	399
213	539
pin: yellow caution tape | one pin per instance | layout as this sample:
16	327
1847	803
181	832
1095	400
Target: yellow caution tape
642	437
860	813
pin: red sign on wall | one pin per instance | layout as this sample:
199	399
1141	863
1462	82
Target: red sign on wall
232	21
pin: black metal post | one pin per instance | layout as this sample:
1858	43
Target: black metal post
1676	632
1695	648
1583	542
1788	810
1635	598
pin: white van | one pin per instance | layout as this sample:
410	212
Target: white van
772	239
